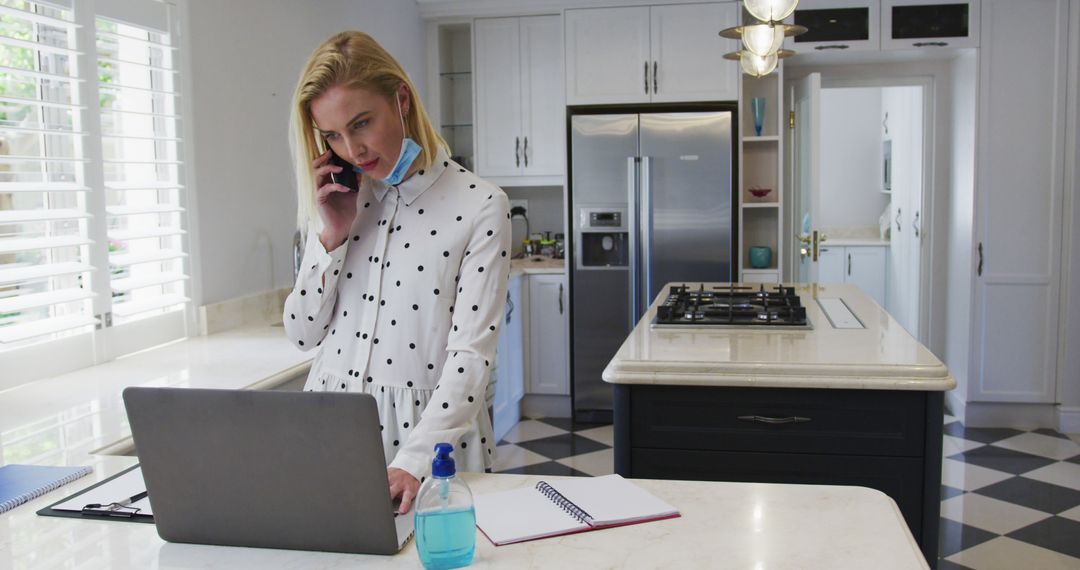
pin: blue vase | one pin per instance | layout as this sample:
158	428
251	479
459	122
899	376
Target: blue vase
760	257
757	104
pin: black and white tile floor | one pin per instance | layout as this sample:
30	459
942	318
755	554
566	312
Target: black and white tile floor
1010	498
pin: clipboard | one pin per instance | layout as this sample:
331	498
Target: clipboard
100	514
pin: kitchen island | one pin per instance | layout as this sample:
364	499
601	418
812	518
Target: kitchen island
823	405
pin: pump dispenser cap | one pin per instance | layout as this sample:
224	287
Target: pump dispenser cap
443	464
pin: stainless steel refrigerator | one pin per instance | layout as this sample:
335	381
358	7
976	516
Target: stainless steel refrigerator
650	203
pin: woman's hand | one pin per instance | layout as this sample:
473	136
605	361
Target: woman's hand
336	204
403	485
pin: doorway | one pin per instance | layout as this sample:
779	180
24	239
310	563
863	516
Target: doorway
859	178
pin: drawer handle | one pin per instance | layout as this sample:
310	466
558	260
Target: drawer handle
768	420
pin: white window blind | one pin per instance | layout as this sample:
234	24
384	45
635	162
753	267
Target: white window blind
44	255
140	155
93	252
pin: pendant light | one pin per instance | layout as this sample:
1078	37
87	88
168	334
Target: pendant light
763	38
756	65
770	10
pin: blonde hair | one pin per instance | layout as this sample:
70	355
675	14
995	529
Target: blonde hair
350	60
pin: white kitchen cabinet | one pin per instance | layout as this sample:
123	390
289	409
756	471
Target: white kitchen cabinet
510	360
862	266
549	320
838	26
650	54
607	55
929	24
1019	182
520	121
685	44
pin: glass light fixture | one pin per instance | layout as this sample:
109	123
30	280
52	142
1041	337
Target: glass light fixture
762	39
770	10
757	66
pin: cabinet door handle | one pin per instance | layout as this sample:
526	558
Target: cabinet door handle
525	152
898	211
509	307
646	77
979	270
517	151
774	421
836	46
560	299
849	264
655	81
915	224
930	44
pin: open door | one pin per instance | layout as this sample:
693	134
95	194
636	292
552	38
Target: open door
805	101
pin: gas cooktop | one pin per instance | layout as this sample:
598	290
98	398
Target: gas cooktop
742	306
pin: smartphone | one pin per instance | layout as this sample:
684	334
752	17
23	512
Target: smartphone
347	176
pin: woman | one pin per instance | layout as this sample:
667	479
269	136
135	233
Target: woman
403	280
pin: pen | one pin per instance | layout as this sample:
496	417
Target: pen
136	497
121	503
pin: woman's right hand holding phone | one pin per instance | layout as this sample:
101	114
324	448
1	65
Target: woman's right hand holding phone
336	203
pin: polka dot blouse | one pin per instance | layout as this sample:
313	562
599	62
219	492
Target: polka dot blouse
408	309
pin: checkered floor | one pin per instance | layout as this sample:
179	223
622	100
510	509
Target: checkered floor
1010	498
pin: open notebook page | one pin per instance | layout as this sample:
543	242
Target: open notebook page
521	514
611	499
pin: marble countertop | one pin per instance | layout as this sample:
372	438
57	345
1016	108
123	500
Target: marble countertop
61	420
881	356
723	525
536	264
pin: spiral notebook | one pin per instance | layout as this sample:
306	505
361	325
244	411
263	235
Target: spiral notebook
565	507
23	483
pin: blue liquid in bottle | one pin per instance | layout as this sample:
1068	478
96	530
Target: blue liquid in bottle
449	538
445	518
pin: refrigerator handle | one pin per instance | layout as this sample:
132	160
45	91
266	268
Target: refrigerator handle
632	219
645	210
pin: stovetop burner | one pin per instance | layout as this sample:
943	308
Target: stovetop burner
774	306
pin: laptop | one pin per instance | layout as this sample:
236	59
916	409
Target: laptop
267	469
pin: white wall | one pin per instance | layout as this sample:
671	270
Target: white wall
960	219
245	58
545	210
851	157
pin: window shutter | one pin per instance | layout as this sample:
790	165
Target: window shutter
44	255
140	140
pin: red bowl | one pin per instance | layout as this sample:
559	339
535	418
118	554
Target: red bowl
760	192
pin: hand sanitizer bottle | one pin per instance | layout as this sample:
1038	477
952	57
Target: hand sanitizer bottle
445	519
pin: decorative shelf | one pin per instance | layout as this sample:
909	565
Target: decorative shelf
759	271
763	138
459	126
452	74
761	205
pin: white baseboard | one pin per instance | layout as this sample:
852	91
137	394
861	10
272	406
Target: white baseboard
956	405
544	406
1068	420
1021	416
